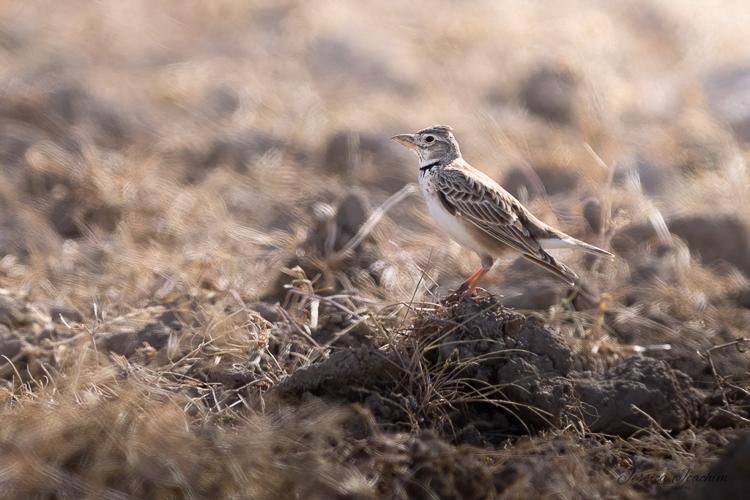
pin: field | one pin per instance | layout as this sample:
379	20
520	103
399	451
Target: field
217	279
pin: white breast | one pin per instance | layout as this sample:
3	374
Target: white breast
451	224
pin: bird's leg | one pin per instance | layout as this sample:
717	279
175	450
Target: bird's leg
469	286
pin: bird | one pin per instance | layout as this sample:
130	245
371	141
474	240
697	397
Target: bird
479	214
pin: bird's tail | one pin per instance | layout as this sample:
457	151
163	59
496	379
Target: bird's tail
565	241
559	269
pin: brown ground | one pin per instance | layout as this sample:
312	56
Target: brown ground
193	303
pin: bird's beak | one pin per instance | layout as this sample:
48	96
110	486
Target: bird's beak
406	140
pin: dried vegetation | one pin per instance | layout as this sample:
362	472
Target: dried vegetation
216	281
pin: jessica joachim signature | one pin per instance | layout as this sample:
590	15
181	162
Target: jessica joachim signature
679	477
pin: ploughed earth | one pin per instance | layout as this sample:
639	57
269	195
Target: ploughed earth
330	395
217	279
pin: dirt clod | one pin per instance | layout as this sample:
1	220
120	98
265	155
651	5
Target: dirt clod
539	181
701	233
638	393
550	93
730	476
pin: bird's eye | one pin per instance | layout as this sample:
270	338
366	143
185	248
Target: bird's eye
429	139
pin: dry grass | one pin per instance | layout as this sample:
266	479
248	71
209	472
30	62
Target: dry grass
200	208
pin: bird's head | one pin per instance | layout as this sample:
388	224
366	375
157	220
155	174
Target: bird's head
433	144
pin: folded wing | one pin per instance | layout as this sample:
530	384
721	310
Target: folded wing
499	215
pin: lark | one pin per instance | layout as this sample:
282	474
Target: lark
479	214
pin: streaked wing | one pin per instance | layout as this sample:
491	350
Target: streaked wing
495	213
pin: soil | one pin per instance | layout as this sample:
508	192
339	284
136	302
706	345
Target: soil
217	279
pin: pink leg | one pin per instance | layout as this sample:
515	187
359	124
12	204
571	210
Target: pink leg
469	286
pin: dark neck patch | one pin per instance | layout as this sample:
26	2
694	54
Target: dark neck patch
429	166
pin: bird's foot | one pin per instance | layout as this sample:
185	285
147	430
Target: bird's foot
464	292
468	288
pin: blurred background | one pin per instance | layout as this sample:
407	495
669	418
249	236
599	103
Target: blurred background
238	146
199	136
155	153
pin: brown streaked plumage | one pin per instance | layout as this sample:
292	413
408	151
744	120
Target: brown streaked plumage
478	213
